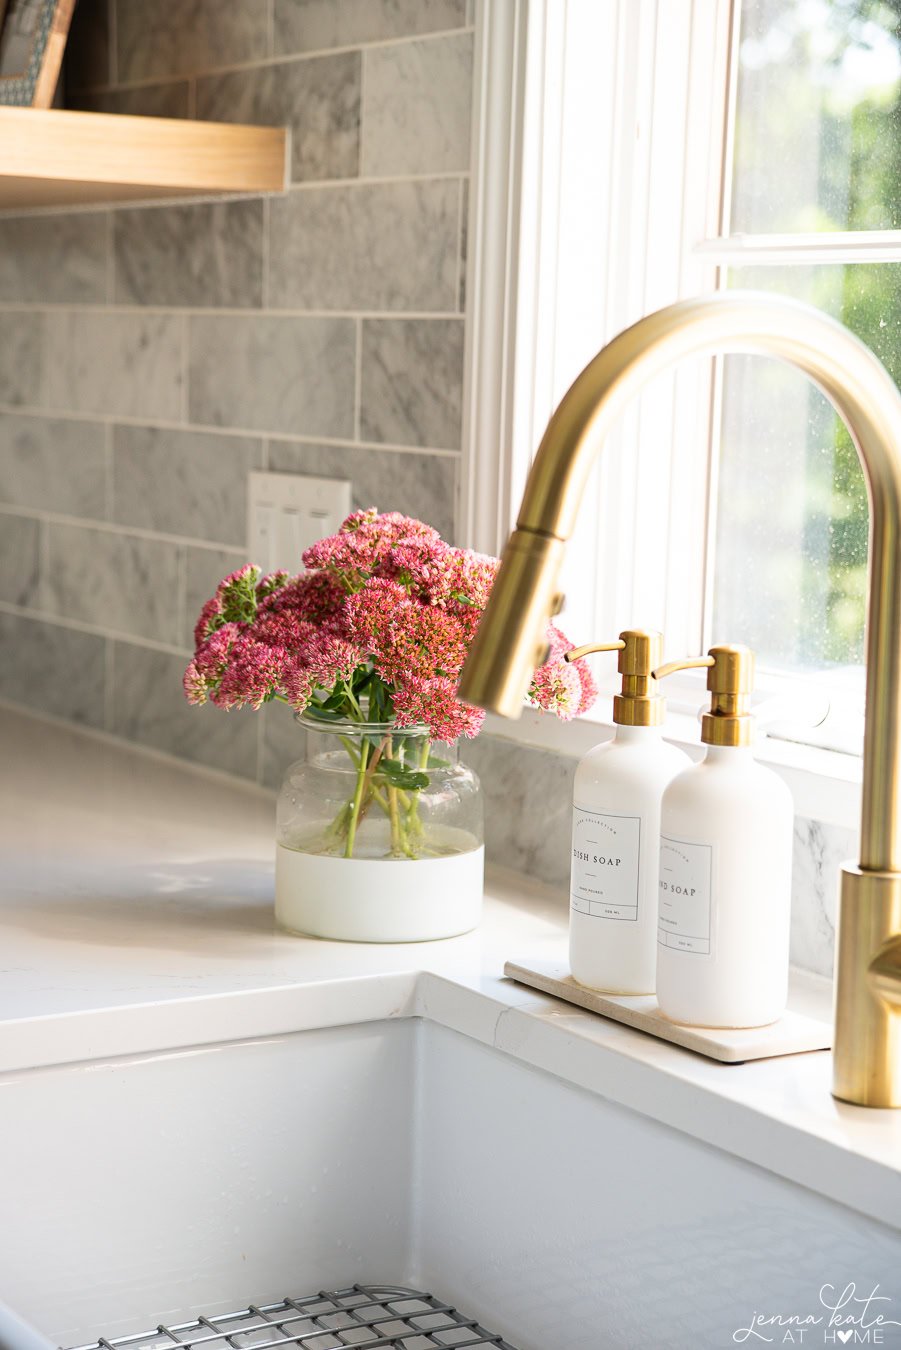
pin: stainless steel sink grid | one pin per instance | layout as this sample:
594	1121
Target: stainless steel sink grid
366	1317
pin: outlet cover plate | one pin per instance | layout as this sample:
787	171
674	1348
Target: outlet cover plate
287	512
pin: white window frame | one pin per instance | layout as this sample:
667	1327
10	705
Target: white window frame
517	352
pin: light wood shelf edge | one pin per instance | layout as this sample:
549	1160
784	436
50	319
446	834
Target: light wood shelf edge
57	157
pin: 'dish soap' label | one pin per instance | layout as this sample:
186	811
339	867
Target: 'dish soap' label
683	916
604	877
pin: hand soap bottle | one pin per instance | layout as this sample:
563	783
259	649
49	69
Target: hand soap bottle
616	828
725	867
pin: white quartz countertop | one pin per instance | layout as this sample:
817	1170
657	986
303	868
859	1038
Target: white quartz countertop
136	912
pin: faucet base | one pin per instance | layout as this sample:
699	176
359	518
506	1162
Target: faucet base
867	1051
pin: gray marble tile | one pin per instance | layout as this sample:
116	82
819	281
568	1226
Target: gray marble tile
204	569
199	256
87	58
20	560
52	669
819	851
313	25
318	98
190	483
21	357
382	247
116	581
149	706
424	486
54	259
193	35
417	107
273	374
170	99
103	362
412	382
53	465
528	806
284	742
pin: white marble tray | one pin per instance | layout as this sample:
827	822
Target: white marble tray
793	1034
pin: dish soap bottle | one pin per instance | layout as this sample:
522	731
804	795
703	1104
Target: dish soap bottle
616	829
725	867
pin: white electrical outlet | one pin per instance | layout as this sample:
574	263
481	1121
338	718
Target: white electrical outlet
287	512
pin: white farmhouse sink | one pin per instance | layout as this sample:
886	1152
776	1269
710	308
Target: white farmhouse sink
145	1189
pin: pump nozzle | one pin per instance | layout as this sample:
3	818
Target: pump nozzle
639	704
730	681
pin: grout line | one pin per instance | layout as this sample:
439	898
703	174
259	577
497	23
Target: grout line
113	26
181	597
219	312
361	158
110	259
118	528
93	630
358	380
185	364
109	672
264	257
283	59
109	491
460	269
289	437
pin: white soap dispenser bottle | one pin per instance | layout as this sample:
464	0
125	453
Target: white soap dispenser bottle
616	828
725	867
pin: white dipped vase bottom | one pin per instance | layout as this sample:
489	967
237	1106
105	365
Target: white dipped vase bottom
379	899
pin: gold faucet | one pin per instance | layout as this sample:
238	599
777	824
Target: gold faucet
511	638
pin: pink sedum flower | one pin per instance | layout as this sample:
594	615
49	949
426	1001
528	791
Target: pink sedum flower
387	611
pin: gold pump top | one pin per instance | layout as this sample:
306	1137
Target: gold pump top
639	704
730	679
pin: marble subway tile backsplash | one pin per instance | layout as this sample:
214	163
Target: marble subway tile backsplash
165	39
391	246
190	256
424	486
117	582
318	98
273	374
78	246
187	483
412	382
53	464
312	25
53	669
104	361
416	107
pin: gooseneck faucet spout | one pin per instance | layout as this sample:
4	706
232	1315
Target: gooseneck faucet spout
510	640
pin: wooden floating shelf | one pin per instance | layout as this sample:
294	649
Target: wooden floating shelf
59	158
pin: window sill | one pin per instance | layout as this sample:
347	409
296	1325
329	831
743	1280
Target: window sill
825	785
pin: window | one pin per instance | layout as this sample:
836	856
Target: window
668	147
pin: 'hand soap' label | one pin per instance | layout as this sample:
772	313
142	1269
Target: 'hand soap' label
604	876
683	916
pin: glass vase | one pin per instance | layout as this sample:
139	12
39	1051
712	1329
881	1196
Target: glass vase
379	836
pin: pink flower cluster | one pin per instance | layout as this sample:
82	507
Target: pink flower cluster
385	598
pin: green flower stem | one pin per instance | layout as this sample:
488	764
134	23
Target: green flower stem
355	806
